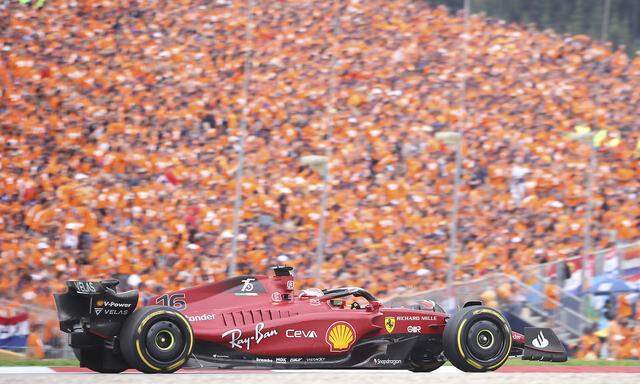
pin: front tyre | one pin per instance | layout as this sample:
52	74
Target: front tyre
156	339
477	339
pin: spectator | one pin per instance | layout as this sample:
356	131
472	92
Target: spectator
624	307
35	345
552	300
122	123
589	345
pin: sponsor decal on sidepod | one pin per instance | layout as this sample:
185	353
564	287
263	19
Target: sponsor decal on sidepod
202	317
389	323
237	341
340	336
300	333
415	318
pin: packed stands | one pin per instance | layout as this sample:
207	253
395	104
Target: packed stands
120	128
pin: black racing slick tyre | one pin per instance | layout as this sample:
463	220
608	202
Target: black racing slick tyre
156	339
424	366
96	353
477	339
100	360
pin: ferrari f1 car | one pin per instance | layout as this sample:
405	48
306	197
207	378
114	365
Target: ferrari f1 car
260	321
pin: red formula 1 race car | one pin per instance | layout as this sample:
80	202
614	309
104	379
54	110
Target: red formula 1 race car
260	321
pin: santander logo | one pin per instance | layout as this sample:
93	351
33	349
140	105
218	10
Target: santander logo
203	317
540	341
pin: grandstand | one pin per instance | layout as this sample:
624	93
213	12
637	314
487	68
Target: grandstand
121	127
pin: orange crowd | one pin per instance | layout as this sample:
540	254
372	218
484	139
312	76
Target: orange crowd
615	334
121	123
620	339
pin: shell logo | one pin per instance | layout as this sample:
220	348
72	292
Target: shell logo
340	336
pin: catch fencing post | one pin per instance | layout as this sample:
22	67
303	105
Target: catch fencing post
237	205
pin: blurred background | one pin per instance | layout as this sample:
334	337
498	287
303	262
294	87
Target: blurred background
450	150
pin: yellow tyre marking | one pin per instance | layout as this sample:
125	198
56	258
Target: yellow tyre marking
459	337
490	311
186	322
506	356
475	364
176	364
143	358
149	317
498	315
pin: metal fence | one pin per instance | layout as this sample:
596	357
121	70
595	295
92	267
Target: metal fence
573	314
566	318
610	260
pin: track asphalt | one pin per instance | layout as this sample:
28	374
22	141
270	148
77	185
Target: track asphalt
510	374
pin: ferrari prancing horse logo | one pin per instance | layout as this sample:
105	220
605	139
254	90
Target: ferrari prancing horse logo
390	323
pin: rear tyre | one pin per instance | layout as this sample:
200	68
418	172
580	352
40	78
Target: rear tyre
100	360
477	339
424	366
156	339
96	353
426	355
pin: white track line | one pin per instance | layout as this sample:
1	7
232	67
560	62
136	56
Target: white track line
36	369
25	369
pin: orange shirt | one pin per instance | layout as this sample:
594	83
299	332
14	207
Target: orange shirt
35	346
552	298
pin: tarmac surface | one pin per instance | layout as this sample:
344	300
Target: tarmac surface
520	375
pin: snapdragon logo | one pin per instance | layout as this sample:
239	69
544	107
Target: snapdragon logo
386	362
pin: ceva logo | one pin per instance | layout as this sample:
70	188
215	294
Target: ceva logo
295	333
540	341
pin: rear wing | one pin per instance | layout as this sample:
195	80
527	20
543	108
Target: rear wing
94	306
91	287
